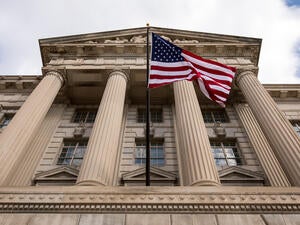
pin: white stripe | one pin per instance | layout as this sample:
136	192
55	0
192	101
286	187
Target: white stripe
214	76
217	87
202	88
169	64
170	73
207	65
221	103
221	98
160	81
223	85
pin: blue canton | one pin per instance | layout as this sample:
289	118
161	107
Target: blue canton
164	51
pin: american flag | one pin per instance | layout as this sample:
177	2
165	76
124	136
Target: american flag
169	63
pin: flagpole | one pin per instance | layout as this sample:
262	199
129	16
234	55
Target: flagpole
148	116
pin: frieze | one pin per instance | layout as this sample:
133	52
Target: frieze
142	39
129	60
120	199
138	39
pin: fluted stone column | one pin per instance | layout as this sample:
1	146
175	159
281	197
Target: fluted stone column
17	135
198	165
261	146
22	175
278	130
102	150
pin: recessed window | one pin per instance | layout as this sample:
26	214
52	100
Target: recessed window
296	125
157	154
85	116
155	116
225	153
72	152
6	120
215	116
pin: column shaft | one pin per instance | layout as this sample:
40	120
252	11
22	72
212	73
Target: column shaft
23	174
197	160
277	129
20	131
261	146
100	159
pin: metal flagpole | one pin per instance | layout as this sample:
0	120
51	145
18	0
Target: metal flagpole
148	116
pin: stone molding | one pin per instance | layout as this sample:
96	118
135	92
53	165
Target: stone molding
57	74
242	71
80	199
119	73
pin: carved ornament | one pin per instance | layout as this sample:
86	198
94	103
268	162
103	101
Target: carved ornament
116	41
245	70
149	200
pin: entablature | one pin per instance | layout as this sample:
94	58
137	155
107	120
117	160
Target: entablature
132	62
83	199
24	83
132	43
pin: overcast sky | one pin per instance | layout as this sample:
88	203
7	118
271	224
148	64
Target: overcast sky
277	22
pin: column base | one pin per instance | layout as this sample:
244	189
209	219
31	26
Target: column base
205	183
90	183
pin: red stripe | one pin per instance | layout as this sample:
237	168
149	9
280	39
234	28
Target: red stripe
158	85
212	71
233	69
214	83
163	68
217	82
213	92
162	77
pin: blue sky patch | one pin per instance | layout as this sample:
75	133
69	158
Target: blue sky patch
293	3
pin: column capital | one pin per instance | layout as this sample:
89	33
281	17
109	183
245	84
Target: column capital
57	74
120	73
242	71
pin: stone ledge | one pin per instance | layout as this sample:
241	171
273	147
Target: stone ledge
82	199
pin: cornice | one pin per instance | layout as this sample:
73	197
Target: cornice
81	199
133	42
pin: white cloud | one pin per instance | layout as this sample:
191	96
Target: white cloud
22	23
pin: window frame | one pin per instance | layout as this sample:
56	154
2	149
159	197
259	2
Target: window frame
212	115
88	112
224	146
7	117
156	115
154	145
72	156
296	126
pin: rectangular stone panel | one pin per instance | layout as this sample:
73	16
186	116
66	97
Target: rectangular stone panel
15	219
54	219
102	219
273	219
148	219
291	219
182	219
233	219
203	219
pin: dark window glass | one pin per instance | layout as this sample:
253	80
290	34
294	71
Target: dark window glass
215	116
6	120
155	116
296	125
85	116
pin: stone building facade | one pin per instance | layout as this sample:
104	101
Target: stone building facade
72	140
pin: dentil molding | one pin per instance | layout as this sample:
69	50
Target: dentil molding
81	199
